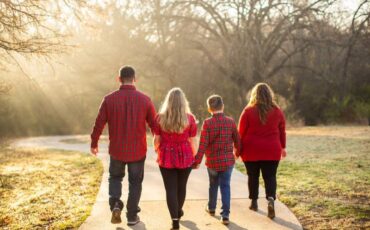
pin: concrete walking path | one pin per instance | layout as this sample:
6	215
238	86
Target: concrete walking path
154	214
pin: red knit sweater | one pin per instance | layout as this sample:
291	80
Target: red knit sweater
261	141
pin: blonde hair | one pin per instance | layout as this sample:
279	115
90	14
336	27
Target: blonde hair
173	113
263	97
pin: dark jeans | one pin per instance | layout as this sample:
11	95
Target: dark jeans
135	179
175	181
222	180
268	169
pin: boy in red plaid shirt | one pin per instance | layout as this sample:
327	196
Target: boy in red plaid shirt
219	138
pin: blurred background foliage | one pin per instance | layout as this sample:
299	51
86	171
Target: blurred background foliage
59	58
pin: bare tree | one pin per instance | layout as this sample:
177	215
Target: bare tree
38	27
247	41
359	31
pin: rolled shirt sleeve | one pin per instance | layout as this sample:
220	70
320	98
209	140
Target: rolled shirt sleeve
151	117
99	125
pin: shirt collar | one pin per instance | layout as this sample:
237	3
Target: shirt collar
127	87
217	114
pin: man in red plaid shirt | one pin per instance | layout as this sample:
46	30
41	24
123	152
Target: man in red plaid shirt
219	138
126	111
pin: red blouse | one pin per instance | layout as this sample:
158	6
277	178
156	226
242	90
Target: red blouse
261	141
174	148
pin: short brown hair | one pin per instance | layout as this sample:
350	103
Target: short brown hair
215	102
127	73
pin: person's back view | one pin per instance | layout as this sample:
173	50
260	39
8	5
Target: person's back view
175	145
262	132
126	111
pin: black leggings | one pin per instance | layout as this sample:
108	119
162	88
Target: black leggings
175	181
268	169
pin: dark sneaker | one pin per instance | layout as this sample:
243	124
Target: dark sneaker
210	212
271	208
181	214
133	221
116	214
175	225
225	220
254	205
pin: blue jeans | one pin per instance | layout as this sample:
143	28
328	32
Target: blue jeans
222	180
135	179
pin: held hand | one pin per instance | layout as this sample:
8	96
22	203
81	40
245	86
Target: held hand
195	166
94	151
236	154
283	153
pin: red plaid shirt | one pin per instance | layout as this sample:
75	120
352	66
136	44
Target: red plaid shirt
218	138
126	111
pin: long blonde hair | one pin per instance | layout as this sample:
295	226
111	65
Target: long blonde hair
263	97
173	113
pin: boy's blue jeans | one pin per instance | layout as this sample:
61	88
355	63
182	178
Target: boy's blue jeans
222	180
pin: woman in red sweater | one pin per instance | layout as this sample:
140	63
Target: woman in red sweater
262	131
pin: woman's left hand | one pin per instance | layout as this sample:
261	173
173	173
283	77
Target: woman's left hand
283	154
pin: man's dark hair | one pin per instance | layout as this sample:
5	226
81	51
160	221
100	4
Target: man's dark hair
127	74
215	102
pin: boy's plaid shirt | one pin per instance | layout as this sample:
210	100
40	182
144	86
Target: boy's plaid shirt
218	138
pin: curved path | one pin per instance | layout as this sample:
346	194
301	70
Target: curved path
154	213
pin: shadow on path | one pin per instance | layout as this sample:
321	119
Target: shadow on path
281	221
232	225
139	226
189	224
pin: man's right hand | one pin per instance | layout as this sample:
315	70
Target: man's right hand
94	151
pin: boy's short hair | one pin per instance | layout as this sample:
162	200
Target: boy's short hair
215	102
127	73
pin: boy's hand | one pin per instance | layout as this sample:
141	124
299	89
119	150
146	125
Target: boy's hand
94	151
195	166
283	154
236	154
156	149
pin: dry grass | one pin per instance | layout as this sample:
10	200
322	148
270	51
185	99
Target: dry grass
325	179
46	189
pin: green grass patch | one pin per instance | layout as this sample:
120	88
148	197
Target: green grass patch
46	189
325	179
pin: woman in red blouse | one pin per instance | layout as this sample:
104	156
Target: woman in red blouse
175	146
262	131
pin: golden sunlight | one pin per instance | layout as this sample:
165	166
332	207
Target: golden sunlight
71	70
